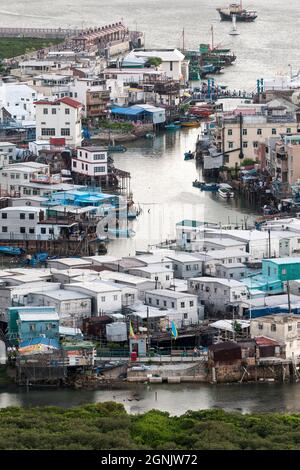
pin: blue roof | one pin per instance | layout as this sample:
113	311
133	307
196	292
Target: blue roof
280	261
127	111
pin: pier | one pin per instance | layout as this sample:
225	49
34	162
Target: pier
42	33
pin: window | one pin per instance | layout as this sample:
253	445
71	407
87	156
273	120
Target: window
103	299
260	326
165	303
273	327
255	144
43	231
22	216
245	144
185	316
99	169
4	215
53	111
157	301
22	230
171	66
167	278
283	271
290	327
67	111
65	131
150	300
99	156
31	230
74	164
173	304
115	297
4	229
245	131
48	131
259	131
51	231
31	216
191	303
45	111
288	130
274	132
229	132
182	304
230	145
32	327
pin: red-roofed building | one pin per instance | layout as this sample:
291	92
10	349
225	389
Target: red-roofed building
59	119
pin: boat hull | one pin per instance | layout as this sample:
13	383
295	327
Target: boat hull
226	195
190	124
239	17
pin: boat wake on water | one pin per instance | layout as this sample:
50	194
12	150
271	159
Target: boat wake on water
12	13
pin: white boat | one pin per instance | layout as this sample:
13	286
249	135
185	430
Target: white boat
234	31
226	191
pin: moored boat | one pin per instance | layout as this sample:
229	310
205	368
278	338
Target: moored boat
189	155
226	191
237	9
172	127
190	123
212	187
116	148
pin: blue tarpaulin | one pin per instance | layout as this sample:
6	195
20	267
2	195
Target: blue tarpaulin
127	111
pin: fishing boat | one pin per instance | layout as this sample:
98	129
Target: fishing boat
234	31
237	9
198	184
190	123
225	191
172	127
212	187
189	155
116	148
9	250
121	233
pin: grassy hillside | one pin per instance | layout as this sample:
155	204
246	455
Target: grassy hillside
107	426
11	47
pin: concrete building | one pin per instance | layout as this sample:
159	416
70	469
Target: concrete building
59	119
282	328
90	161
26	323
220	296
140	284
158	273
172	62
71	306
258	124
106	297
13	176
183	303
236	271
18	100
185	265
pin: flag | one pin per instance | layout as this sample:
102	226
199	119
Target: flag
174	330
131	332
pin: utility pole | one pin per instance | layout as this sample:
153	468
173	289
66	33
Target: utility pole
269	232
289	296
241	155
148	343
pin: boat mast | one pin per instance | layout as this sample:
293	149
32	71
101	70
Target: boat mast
212	36
183	40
